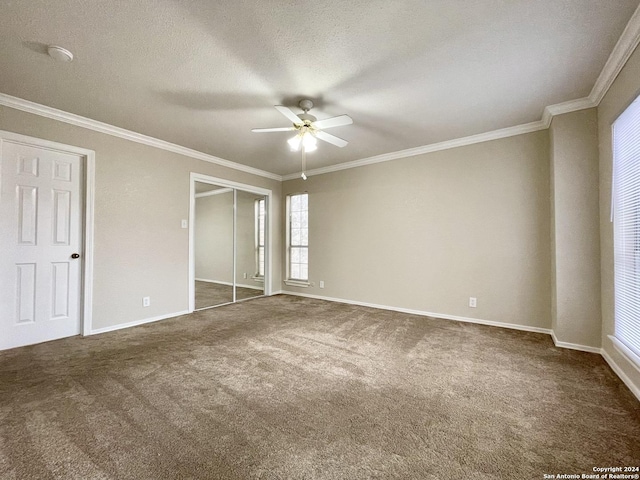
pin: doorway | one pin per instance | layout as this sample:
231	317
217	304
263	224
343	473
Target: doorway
229	242
46	218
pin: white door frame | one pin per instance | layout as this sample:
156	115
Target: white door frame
199	177
89	158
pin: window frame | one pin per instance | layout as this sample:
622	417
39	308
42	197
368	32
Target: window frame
289	280
260	215
626	234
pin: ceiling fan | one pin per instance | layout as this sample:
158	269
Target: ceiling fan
308	127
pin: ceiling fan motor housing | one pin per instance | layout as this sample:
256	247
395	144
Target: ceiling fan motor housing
305	105
307	117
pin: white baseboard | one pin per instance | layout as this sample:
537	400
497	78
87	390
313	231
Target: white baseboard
614	366
229	284
443	316
618	371
573	346
135	323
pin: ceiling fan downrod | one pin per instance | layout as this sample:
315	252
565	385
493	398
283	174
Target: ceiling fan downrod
303	175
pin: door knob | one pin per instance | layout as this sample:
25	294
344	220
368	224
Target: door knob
75	255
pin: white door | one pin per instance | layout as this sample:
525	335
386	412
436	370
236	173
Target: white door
40	244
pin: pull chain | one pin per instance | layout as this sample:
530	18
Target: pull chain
304	163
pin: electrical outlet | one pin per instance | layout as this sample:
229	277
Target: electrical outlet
245	274
321	283
146	301
473	302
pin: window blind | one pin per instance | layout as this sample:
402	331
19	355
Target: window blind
626	218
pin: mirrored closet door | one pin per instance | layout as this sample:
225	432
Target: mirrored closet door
229	245
250	244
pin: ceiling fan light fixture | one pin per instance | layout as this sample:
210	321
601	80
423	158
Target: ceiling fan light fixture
294	143
310	143
303	139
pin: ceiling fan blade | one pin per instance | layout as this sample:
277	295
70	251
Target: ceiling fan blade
266	130
332	139
333	122
288	113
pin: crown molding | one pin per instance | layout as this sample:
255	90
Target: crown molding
551	111
434	147
625	46
79	121
84	122
627	43
547	115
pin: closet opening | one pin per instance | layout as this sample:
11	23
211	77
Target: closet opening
229	242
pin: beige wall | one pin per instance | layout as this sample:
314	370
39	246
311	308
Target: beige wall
213	237
623	91
428	232
421	233
575	228
142	193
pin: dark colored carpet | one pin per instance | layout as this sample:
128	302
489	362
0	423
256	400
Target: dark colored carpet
291	388
209	294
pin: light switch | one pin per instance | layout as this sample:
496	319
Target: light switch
185	223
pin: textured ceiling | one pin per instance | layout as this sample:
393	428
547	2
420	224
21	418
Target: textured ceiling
201	74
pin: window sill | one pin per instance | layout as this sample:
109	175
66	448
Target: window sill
258	279
626	352
297	283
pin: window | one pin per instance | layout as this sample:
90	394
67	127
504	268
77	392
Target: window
626	228
298	237
260	238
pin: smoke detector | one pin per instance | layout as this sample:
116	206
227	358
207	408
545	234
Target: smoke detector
60	54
